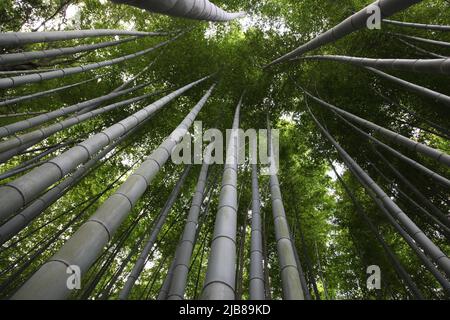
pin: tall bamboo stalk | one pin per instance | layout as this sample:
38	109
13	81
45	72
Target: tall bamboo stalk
353	23
140	262
404	275
20	38
183	254
436	27
423	40
190	9
257	285
434	95
24	217
38	135
21	191
10	82
29	123
439	66
221	272
439	257
428	172
47	92
386	133
22	57
290	277
49	282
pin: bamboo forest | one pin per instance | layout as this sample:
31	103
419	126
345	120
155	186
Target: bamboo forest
224	150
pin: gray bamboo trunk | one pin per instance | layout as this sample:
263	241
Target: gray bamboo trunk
21	191
430	173
432	124
190	9
164	291
17	39
435	210
409	240
440	66
221	271
423	40
47	92
49	282
409	283
183	254
439	257
22	57
12	152
29	123
10	82
436	27
21	114
353	23
386	133
396	192
436	96
290	277
38	135
421	50
301	273
140	262
24	217
256	285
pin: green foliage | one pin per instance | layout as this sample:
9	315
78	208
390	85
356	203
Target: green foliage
327	230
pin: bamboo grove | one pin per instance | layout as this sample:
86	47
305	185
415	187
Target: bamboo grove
96	95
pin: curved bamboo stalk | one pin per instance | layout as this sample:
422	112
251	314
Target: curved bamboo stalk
435	210
408	239
436	27
85	107
49	282
11	82
25	71
38	135
353	23
430	173
190	9
436	96
47	92
440	66
439	257
21	57
437	127
21	114
109	256
20	38
419	49
257	285
40	156
290	277
396	192
162	294
105	290
424	40
404	275
187	242
21	191
221	271
386	133
140	262
29	123
24	217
